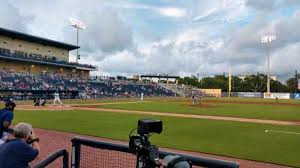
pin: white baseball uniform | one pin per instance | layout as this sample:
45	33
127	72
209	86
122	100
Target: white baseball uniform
56	98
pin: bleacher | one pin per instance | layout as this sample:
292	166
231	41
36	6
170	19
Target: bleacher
25	82
184	90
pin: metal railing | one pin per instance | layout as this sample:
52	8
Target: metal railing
53	157
79	142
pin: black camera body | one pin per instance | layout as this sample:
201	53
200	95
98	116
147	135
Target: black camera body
147	126
147	154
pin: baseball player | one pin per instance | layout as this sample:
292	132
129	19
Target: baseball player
194	99
56	98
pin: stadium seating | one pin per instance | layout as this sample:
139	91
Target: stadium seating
20	82
184	90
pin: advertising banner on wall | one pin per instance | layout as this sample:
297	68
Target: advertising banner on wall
277	95
250	94
296	95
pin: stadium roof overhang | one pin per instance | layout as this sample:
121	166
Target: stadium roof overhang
36	39
160	76
49	63
86	68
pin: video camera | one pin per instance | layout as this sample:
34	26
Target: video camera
147	154
147	126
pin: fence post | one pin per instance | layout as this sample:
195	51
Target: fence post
66	160
75	163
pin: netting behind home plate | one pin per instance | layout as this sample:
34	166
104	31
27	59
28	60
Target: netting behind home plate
103	158
88	153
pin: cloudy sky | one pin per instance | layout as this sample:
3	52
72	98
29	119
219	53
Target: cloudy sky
178	37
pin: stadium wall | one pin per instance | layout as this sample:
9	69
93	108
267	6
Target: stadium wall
263	95
29	47
277	95
296	95
249	94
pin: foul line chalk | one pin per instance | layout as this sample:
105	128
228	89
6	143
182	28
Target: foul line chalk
284	132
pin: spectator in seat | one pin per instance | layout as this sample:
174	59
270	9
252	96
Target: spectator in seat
6	116
17	153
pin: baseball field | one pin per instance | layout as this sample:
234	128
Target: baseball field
252	129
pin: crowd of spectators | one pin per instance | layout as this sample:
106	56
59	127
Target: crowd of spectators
38	57
112	87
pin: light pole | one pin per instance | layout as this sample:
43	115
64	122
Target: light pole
78	25
229	82
265	40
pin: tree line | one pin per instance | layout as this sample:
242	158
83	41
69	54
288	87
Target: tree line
251	83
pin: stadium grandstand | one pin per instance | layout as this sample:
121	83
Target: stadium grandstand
32	54
23	86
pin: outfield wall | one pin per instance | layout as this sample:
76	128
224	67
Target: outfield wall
296	95
277	95
249	94
263	95
244	94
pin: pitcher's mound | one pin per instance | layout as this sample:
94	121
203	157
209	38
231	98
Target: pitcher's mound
202	105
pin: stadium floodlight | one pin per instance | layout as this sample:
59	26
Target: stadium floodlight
267	39
264	40
78	25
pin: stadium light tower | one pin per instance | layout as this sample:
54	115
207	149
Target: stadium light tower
266	40
78	25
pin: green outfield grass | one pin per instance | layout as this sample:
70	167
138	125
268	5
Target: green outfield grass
235	139
259	111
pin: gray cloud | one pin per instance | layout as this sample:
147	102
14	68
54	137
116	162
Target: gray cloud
105	31
248	38
280	62
263	5
173	56
241	49
271	4
247	54
11	18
